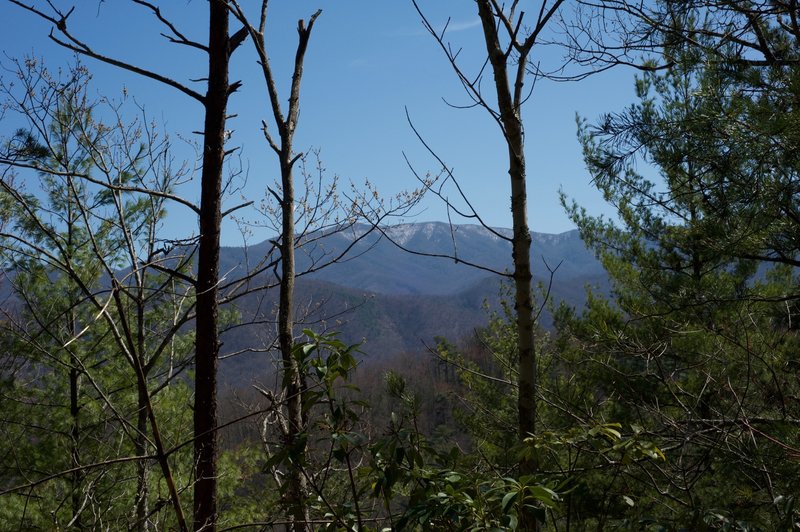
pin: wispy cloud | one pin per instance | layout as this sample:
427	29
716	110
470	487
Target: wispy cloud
460	26
452	27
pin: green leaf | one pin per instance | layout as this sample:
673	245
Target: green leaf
508	500
543	494
453	477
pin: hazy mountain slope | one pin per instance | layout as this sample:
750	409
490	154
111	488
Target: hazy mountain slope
388	298
385	324
392	300
376	264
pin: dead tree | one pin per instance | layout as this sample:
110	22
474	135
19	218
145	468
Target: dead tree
297	421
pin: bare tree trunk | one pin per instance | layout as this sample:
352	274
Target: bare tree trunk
510	117
74	386
294	385
207	335
298	419
75	433
140	445
523	303
508	56
298	484
509	105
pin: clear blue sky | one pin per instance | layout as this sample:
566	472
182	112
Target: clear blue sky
367	61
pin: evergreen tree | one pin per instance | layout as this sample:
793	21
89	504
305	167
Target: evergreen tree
698	346
95	329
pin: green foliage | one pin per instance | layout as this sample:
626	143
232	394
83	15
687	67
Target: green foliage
92	340
446	488
333	434
694	347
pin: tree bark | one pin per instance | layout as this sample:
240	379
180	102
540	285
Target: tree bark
207	335
75	434
142	491
74	383
298	419
296	497
298	484
142	397
523	302
509	105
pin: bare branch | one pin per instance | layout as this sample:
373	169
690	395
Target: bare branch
72	43
177	37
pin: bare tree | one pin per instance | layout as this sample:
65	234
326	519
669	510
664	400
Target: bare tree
509	39
218	50
106	189
303	214
297	491
605	33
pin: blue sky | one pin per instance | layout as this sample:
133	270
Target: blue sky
367	62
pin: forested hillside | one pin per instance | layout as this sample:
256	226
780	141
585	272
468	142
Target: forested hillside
360	371
393	302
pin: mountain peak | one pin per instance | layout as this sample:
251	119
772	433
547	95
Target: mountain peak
379	261
404	232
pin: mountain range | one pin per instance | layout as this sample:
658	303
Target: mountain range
389	295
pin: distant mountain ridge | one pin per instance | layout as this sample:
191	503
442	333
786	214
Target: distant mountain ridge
390	299
376	264
397	301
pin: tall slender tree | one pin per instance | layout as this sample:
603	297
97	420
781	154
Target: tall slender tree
509	41
293	378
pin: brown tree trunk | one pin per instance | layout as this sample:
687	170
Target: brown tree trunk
219	49
523	302
296	497
509	104
297	482
74	384
142	491
75	433
207	334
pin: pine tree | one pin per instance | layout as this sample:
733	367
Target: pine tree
698	347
